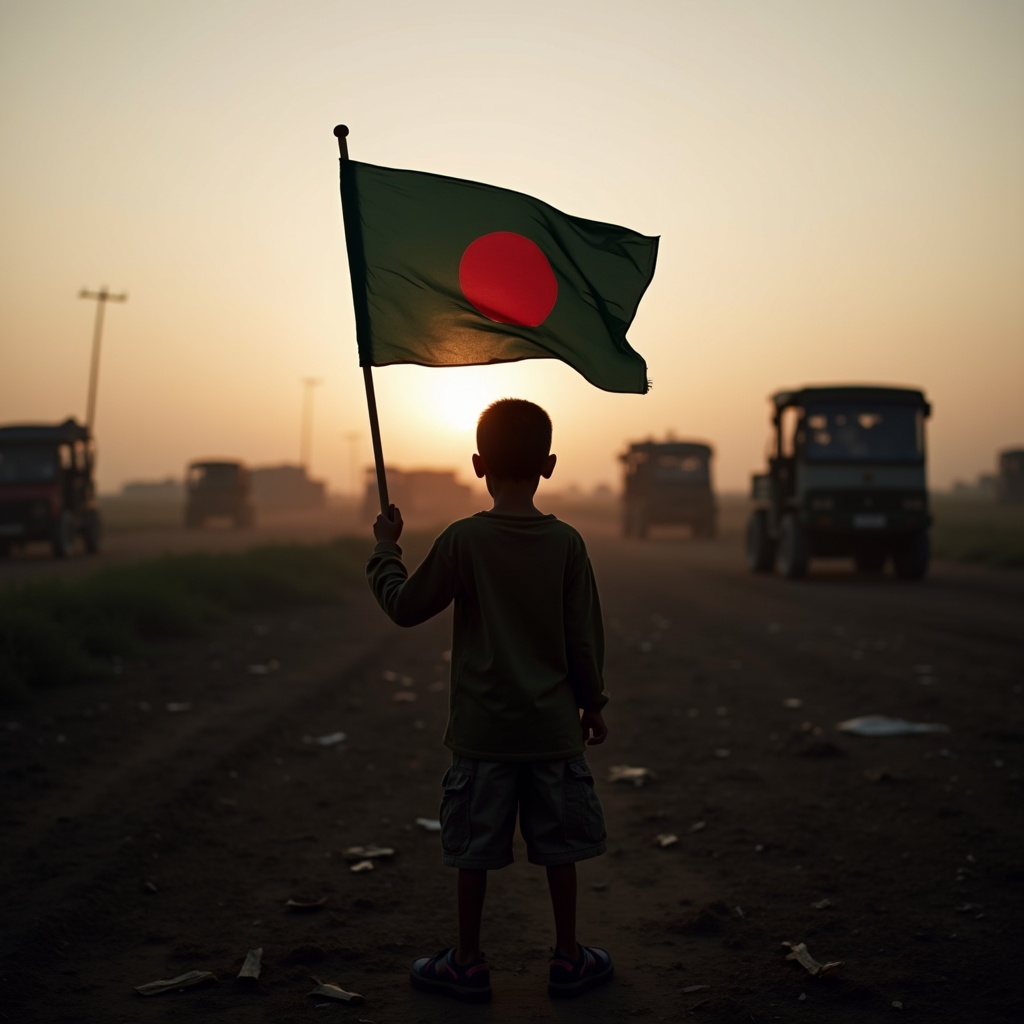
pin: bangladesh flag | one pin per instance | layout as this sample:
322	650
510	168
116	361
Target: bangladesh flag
447	272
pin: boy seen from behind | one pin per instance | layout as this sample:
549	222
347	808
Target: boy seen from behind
526	694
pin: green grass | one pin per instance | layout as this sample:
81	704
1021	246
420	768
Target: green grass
55	632
978	530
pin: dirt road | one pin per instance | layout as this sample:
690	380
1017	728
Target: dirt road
141	842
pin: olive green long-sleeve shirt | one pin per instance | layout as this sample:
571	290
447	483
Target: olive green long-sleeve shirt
527	636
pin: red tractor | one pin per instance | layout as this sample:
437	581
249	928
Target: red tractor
47	490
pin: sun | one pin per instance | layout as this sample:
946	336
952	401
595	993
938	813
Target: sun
458	396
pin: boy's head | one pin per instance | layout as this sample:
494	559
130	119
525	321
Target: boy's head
513	438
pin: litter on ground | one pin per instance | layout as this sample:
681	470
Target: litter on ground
335	992
370	852
302	904
882	725
264	670
251	968
798	952
627	773
186	980
330	740
429	824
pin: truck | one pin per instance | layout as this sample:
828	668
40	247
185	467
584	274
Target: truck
426	496
218	489
47	487
668	483
845	478
1010	481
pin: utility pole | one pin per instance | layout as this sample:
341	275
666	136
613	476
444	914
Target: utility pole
102	297
307	419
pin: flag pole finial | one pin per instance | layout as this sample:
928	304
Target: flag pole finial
341	134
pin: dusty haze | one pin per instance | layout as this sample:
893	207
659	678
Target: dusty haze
839	190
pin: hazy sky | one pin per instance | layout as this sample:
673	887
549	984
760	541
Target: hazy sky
838	187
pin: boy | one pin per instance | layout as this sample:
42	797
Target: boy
526	694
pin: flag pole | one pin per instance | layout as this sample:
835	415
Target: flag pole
341	134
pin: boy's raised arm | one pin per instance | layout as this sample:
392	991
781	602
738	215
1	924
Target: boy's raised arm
408	600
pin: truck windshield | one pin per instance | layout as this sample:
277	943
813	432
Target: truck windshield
863	433
214	474
27	464
670	467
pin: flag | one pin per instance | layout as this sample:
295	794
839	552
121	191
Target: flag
447	272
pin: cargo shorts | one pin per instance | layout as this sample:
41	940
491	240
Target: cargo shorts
560	816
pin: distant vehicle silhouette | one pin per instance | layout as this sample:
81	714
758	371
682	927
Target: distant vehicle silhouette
218	489
668	483
846	477
427	497
47	490
1010	481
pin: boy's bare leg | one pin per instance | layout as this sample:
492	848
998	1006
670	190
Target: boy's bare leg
472	889
562	886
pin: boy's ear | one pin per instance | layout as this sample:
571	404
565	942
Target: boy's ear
478	466
548	467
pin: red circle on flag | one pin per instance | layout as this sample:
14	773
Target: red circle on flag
508	279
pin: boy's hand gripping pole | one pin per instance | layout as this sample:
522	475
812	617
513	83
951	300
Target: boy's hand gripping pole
341	134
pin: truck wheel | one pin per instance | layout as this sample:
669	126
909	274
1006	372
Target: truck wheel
911	557
92	531
634	523
794	554
640	526
869	560
760	546
64	535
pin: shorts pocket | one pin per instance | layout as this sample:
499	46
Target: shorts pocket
584	818
455	810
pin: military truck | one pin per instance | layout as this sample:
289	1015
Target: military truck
668	483
846	478
47	490
1010	481
218	489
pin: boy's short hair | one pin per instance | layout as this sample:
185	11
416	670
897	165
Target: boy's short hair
513	437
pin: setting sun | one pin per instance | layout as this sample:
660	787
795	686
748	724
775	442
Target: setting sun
458	395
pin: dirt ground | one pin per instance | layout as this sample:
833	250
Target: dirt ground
159	823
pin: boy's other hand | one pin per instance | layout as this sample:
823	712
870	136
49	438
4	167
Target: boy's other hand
388	530
594	729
